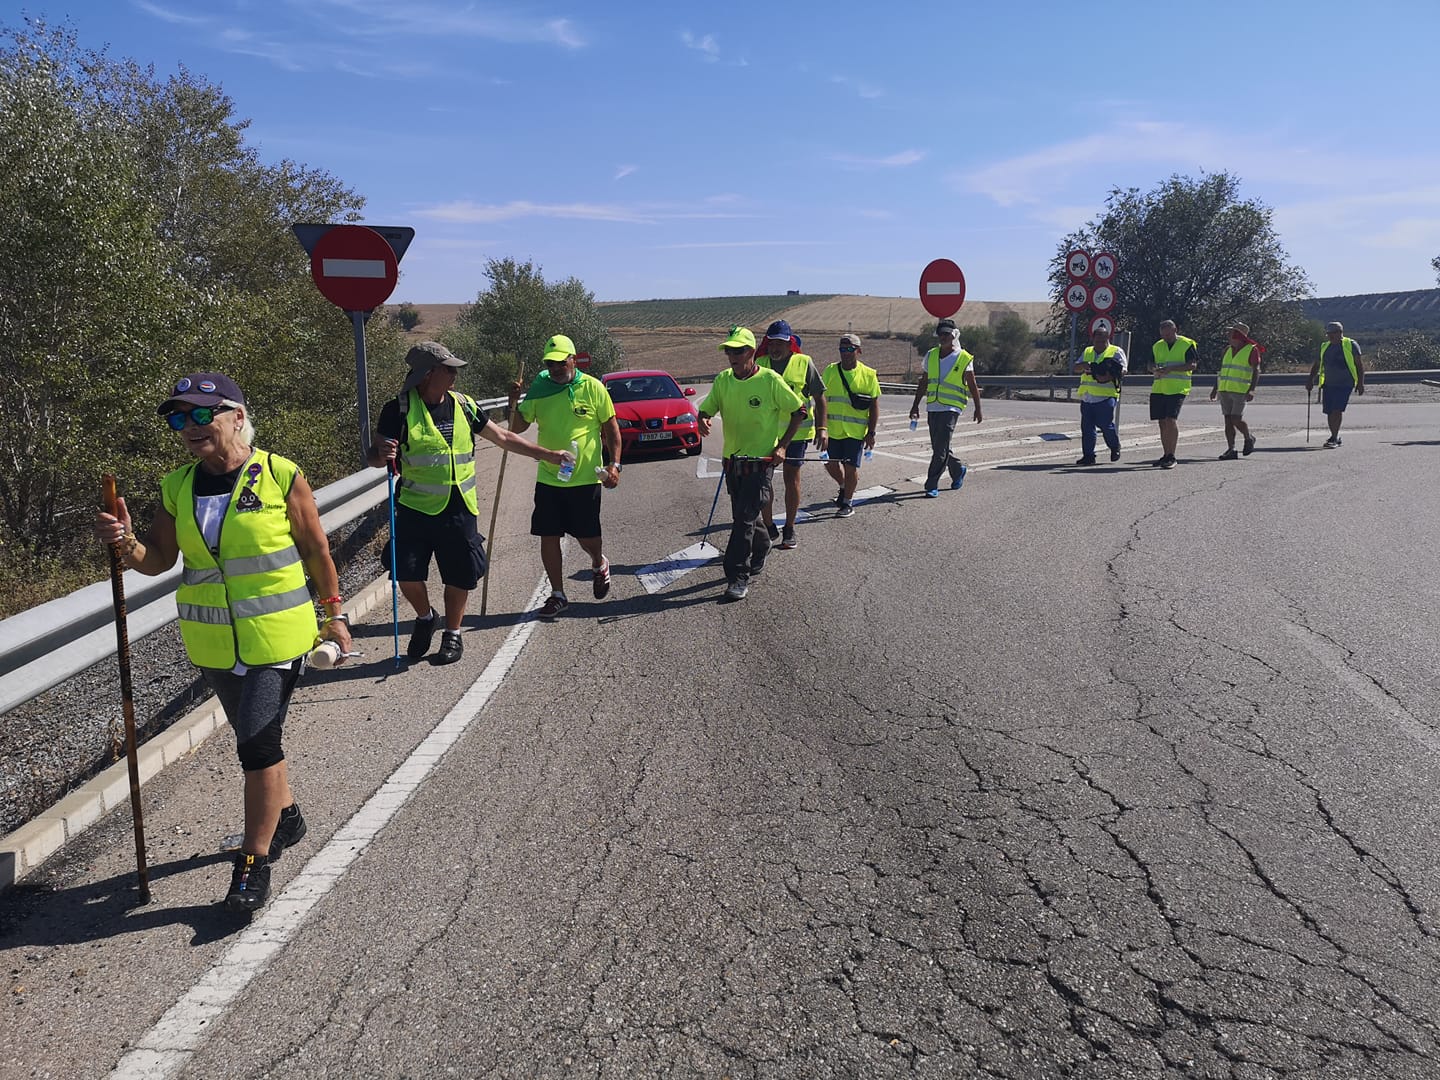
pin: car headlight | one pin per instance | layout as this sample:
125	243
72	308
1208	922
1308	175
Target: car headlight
684	418
627	423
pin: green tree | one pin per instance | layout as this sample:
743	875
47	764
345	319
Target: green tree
1194	251
513	318
406	317
1435	265
144	240
1014	341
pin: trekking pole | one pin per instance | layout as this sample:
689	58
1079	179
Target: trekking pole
713	503
394	569
495	508
127	693
1307	417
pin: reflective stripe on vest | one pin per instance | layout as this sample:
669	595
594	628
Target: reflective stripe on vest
845	421
796	375
1347	346
247	600
1235	371
1177	382
1088	385
430	468
951	390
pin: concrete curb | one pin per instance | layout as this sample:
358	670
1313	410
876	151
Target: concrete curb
35	841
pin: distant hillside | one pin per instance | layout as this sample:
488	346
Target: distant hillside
814	313
1418	310
711	312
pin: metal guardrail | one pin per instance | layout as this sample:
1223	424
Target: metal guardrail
42	647
1069	383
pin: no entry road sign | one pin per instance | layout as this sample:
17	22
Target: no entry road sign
942	288
354	267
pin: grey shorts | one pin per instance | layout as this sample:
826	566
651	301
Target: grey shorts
1231	403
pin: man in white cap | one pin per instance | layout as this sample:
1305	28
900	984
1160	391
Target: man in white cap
431	429
572	412
1340	371
948	385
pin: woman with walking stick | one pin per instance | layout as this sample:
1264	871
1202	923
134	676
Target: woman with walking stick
246	524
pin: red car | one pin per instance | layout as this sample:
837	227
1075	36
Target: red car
653	413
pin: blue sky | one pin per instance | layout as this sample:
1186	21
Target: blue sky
661	150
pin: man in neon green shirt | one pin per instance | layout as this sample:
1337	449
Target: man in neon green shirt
752	401
572	411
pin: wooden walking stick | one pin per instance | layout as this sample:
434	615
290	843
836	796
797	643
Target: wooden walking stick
127	694
495	509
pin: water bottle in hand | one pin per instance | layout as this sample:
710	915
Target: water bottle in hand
567	467
869	453
914	423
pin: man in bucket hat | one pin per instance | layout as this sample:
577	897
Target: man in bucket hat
1340	371
753	402
430	430
783	356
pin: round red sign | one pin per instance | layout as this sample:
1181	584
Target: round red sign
1077	296
1106	266
1102	298
1077	264
942	288
354	267
1101	322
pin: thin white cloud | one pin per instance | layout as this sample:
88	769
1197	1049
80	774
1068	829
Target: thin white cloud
743	244
867	90
166	15
707	46
891	161
469	213
622	171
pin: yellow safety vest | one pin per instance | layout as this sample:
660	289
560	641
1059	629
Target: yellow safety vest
796	374
1347	346
1235	372
430	467
1176	382
951	390
1088	385
247	600
846	421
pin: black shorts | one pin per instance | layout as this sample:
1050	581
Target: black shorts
795	451
452	538
1166	406
561	510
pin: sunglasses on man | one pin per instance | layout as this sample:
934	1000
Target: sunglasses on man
203	415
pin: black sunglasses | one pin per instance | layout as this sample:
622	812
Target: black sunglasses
203	415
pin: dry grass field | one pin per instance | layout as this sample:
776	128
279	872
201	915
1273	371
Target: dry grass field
690	350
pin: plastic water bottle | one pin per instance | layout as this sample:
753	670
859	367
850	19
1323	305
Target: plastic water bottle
869	453
914	423
567	468
601	472
824	455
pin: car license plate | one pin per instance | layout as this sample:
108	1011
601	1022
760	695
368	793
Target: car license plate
653	436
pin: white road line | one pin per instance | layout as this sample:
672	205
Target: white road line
672	568
166	1048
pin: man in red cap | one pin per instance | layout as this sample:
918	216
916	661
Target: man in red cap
1235	386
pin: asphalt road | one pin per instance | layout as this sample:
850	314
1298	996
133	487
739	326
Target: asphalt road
1115	772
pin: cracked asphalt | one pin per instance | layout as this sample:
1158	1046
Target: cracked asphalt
1106	774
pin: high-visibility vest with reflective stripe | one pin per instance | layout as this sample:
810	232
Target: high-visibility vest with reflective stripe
1235	371
796	374
951	390
844	420
247	600
1177	382
1347	346
430	468
1088	385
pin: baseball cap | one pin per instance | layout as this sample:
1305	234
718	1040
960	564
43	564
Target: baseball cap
850	339
559	347
945	324
779	330
740	337
426	357
1332	327
202	388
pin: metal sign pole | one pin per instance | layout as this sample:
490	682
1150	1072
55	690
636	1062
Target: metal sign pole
362	384
1073	317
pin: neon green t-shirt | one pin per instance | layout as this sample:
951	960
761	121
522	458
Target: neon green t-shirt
573	413
753	411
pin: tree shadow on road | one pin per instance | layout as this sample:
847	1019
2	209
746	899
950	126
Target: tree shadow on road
35	914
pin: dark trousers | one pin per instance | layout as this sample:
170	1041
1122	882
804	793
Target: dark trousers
749	538
1098	414
942	427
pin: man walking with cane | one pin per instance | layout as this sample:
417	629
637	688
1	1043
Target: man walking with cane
752	401
1340	371
430	430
